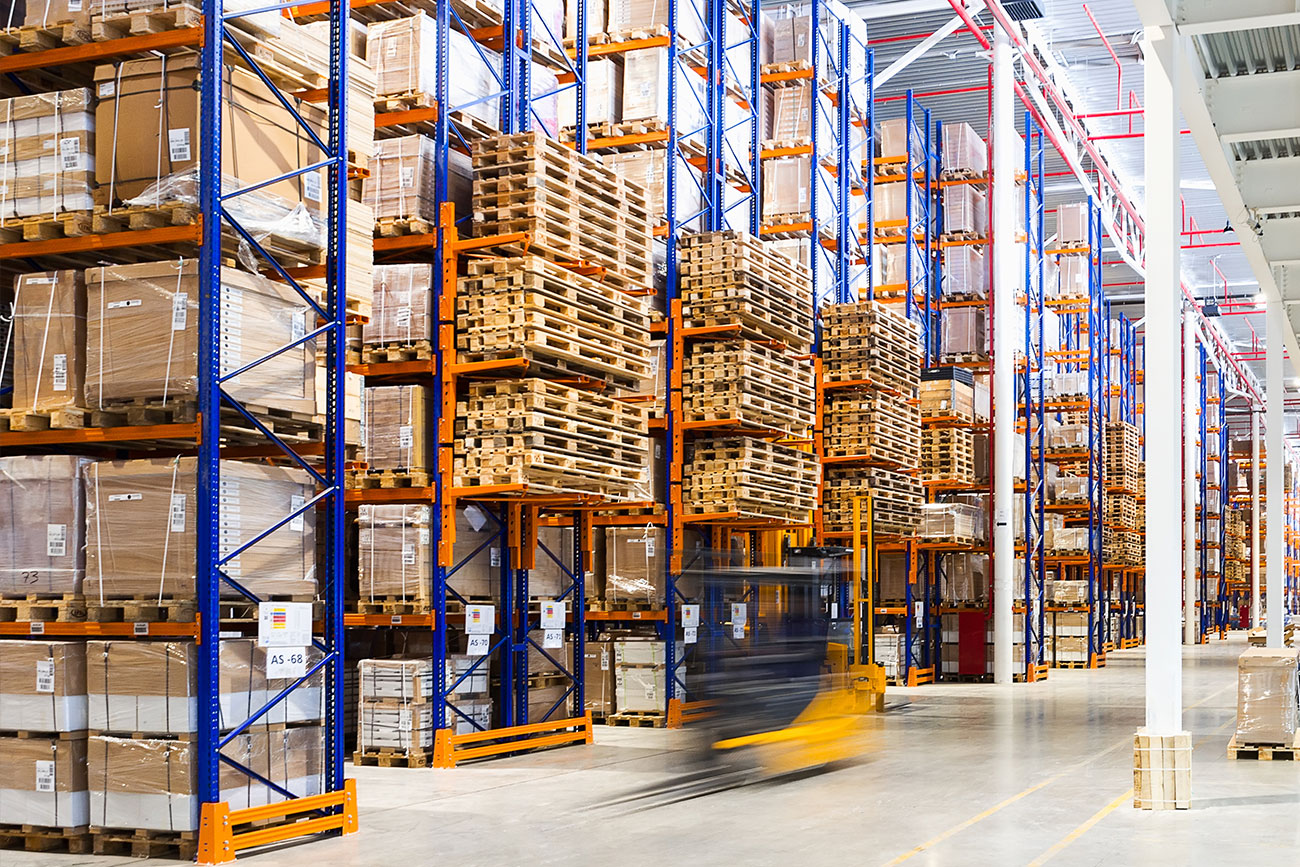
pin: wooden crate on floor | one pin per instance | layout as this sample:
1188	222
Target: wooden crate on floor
573	208
562	323
551	438
948	455
869	341
751	477
881	426
748	382
895	499
732	278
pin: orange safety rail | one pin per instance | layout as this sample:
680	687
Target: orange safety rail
449	748
681	712
219	842
919	676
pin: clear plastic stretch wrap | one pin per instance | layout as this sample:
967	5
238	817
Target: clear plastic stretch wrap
634	564
42	525
648	170
395	709
951	521
789	38
43	686
146	784
394	553
964	332
965	209
49	340
41	13
403	179
891	575
604	83
1072	282
1072	224
403	306
1071	489
397	427
895	260
43	781
652	16
140	529
147	134
150	687
407	680
965	579
142	337
964	272
892	203
477	554
645	90
47	153
1268	708
964	151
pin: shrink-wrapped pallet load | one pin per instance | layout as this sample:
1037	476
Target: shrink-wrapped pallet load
48	158
42	525
49	340
43	686
43	782
394	553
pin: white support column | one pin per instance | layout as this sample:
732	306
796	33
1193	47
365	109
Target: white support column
1191	465
1254	517
1275	457
1164	672
1006	313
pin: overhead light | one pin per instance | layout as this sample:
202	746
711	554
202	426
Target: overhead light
1023	10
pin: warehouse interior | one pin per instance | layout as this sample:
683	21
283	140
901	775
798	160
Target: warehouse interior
507	430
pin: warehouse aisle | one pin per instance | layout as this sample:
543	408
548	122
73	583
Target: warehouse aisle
958	775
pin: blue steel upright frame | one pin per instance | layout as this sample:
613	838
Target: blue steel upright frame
211	554
1097	366
1035	571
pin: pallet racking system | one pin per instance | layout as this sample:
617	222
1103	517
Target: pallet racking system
225	427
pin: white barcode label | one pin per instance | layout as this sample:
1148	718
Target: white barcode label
107	89
424	536
121	498
403	317
298	325
60	373
70	154
405	436
408	177
178	513
649	546
45	776
118	305
56	540
311	186
45	675
408	555
74	5
180	310
494	556
139	628
296	503
178	144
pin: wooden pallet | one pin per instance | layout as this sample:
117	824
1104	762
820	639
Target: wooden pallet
72	29
637	719
390	757
399	478
391	227
748	381
62	418
181	845
141	610
137	22
46	227
1263	752
45	608
612	605
37	838
420	350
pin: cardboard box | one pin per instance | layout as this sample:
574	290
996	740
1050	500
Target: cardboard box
792	40
403	305
645	86
548	660
598	676
468	715
43	686
150	687
891	572
549	703
46	140
140	529
640	689
648	170
786	185
639	652
476	554
148	784
467	675
635	564
42	525
604	83
404	54
260	138
403	179
1267	704
407	680
394	553
49	340
397	428
143	336
44	782
394	725
963	150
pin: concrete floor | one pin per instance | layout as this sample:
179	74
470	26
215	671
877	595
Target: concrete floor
956	775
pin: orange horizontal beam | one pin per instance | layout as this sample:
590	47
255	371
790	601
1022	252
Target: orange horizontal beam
411	620
94	435
427	367
92	52
789	75
402	243
422	114
628	615
95	243
369	496
625	140
100	630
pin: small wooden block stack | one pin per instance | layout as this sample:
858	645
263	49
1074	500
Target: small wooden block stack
751	478
1162	771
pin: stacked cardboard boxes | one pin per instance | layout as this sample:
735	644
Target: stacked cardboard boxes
396	712
640	677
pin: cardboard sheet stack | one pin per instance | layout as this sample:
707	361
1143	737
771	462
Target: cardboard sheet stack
396	713
640	677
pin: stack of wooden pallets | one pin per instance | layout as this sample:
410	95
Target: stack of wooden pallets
566	311
749	384
871	366
749	477
1123	457
948	455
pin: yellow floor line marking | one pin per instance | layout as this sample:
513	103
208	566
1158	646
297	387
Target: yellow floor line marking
934	841
1112	806
1082	829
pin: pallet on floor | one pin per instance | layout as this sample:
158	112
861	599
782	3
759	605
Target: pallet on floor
1263	752
391	757
141	843
37	838
637	719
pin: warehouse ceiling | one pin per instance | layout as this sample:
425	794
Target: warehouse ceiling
951	81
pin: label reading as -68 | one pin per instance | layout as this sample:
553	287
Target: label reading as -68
285	662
